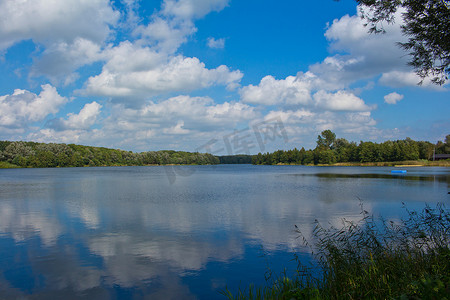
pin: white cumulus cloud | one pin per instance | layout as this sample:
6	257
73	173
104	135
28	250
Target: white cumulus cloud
361	55
302	125
23	107
49	21
216	43
83	120
306	90
393	98
165	35
192	9
197	113
271	91
339	101
69	136
407	78
61	59
170	27
190	119
150	73
177	129
67	34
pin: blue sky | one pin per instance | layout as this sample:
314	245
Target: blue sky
221	76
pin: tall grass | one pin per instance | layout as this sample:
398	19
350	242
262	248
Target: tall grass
371	259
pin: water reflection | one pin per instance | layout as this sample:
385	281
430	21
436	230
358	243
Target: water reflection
130	233
21	223
433	178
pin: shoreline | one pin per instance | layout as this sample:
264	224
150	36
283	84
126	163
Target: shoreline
395	164
5	165
399	164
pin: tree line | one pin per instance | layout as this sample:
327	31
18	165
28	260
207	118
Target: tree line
41	155
330	150
236	159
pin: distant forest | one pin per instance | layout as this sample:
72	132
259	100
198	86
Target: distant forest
40	155
330	150
236	159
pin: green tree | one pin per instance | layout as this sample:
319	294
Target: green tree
447	144
18	149
20	161
257	159
425	150
326	139
387	151
309	157
301	156
277	156
3	145
44	159
343	150
268	159
426	25
326	157
367	152
397	151
443	147
412	149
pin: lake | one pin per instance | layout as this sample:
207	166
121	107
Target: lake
181	232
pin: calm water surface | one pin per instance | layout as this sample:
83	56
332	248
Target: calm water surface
180	232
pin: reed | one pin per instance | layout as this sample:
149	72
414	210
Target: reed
371	259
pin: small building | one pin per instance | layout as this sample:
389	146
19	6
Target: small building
441	156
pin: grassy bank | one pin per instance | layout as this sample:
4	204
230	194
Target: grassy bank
371	259
7	165
406	163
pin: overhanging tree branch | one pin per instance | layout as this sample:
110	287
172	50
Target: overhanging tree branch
427	27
